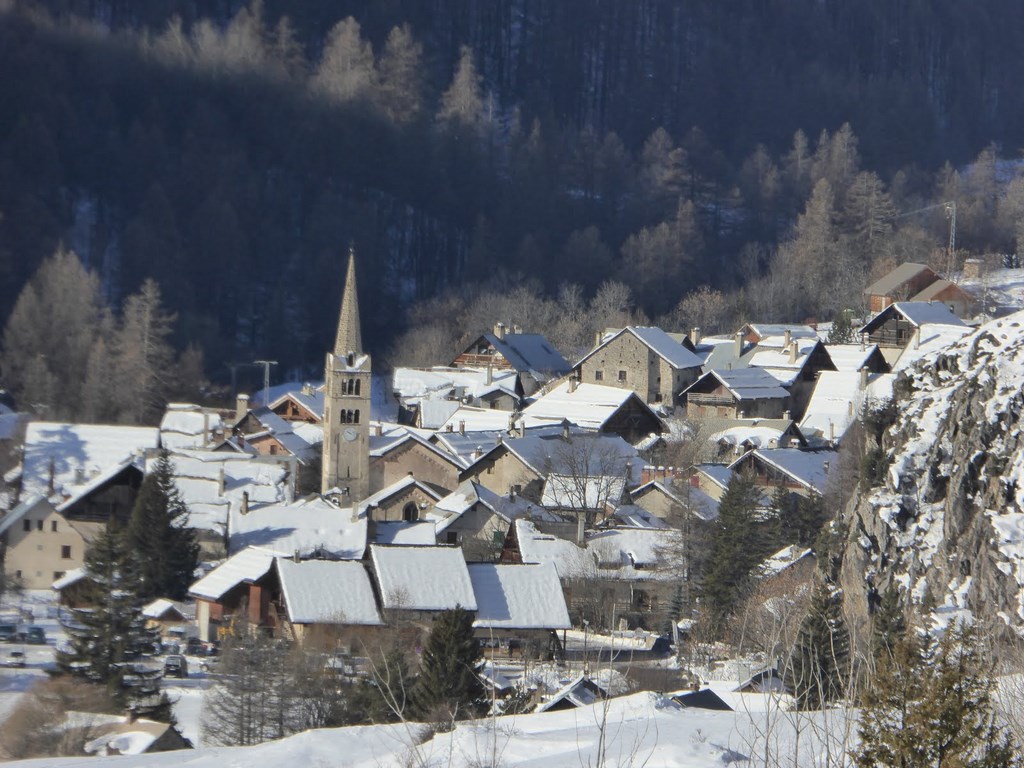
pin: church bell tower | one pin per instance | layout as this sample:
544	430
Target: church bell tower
346	449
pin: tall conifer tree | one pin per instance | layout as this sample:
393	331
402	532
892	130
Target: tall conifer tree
108	641
818	667
449	680
159	536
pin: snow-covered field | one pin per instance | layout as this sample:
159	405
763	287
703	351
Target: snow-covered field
641	729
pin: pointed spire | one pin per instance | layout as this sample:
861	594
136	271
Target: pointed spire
349	339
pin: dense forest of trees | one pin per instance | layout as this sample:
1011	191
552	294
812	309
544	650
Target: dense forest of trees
667	146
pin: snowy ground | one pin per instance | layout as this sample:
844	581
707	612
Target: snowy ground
1001	289
641	729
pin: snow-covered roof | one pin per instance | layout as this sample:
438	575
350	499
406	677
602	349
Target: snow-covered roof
472	419
284	432
927	342
838	400
309	526
809	468
73	576
583	454
78	452
157	608
850	357
308	397
633	516
185	425
783	559
581	492
247	566
917	313
469	493
327	592
421	533
81	491
721	474
581	692
126	738
745	384
439	383
765	330
434	414
518	597
659	342
198	476
529	352
586	405
632	549
422	578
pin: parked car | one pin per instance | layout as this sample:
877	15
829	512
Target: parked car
32	635
8	633
195	647
15	659
176	665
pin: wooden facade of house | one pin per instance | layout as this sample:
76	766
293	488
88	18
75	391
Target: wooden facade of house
903	283
290	409
713	399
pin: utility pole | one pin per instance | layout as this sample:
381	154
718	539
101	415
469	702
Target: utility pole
950	209
266	377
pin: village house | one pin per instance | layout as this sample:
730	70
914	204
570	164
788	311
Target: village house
804	473
163	615
267	434
645	360
737	436
854	357
530	355
893	328
839	399
237	592
309	527
476	519
595	407
428	397
395	455
185	425
520	609
795	362
521	465
129	736
305	405
418	583
324	593
672	498
736	394
45	539
917	283
756	333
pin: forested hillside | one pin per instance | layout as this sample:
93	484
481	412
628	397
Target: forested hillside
665	145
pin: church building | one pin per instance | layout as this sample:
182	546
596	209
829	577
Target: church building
346	451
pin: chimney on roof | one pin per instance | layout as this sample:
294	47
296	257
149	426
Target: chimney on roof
511	493
826	466
499	330
462	426
378	429
498	439
449	427
598	337
566	431
517	329
245	503
863	377
477	453
863	341
786	415
695	335
787	337
241	406
220	481
206	428
794	349
739	343
831	431
573	382
490	375
295	556
580	518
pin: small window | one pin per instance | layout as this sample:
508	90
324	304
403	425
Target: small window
273	450
65	552
58	575
355	418
598	375
53	526
410	512
622	375
17	574
39	525
452	538
26	525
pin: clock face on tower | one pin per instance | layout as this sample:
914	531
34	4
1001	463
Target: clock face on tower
350	434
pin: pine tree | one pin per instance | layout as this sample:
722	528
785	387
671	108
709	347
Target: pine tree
143	356
400	69
108	641
818	666
931	704
346	70
159	536
449	685
842	329
888	624
736	547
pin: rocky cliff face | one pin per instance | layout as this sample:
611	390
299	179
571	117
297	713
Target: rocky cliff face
947	522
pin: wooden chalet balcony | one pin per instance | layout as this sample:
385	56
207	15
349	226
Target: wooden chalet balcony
884	338
482	361
703	399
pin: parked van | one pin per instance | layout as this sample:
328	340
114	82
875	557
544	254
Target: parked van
32	635
8	633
